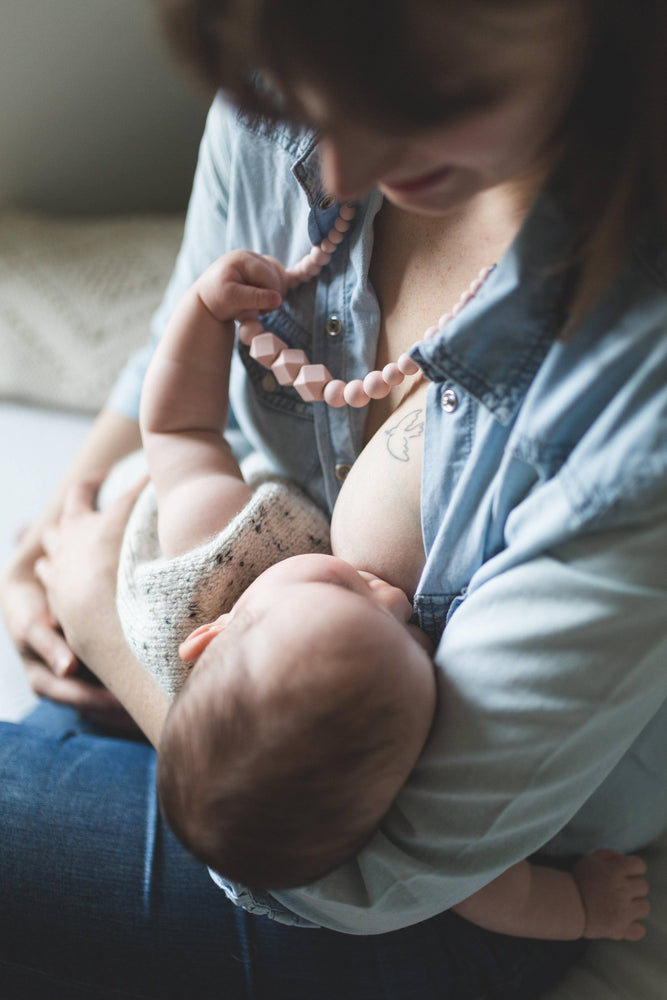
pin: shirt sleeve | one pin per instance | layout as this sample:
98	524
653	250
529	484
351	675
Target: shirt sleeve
547	673
204	239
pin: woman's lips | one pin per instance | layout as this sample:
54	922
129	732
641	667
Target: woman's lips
418	184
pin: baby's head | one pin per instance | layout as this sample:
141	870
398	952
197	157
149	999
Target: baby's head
305	712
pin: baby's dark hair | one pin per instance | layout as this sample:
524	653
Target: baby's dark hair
276	790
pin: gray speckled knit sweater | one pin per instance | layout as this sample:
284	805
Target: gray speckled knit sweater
160	601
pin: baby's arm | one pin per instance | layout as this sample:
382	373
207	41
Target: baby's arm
603	897
185	396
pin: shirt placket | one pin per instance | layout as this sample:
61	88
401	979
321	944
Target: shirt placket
340	340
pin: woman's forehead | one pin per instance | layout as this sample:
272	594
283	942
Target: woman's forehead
454	56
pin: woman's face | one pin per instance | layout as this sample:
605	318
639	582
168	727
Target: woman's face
531	64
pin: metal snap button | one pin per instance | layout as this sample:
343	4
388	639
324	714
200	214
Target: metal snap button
341	470
326	202
333	326
449	401
269	382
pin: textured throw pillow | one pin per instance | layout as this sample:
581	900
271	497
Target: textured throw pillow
76	298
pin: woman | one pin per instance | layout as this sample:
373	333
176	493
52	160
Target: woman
467	136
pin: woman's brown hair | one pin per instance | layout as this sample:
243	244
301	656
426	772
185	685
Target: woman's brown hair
613	137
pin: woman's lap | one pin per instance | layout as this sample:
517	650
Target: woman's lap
98	900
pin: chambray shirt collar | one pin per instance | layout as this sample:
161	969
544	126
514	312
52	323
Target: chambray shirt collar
306	167
494	346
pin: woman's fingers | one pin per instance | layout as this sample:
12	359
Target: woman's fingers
122	507
50	538
80	497
46	642
72	691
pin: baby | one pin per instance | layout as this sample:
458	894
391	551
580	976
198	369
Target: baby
311	700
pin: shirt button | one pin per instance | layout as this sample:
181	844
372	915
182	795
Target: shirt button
333	326
327	202
449	401
269	382
341	469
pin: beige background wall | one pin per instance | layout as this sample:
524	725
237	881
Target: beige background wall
93	115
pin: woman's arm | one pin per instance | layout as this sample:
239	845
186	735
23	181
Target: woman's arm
49	661
78	572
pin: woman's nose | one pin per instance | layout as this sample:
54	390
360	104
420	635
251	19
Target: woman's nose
352	162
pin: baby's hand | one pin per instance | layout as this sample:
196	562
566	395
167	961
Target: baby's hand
613	891
242	285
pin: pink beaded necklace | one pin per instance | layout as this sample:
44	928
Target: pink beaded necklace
314	383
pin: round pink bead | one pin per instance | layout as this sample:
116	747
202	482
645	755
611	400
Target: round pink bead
355	394
334	236
347	212
341	225
456	308
430	332
248	330
392	374
311	270
375	386
334	393
327	246
407	365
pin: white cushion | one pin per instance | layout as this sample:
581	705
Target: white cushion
76	297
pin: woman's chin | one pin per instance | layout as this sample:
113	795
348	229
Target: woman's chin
448	190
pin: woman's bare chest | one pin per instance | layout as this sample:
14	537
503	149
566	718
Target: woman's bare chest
418	271
376	522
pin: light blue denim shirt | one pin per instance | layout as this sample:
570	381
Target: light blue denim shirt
544	513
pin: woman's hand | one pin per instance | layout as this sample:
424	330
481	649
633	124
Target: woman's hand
77	580
51	667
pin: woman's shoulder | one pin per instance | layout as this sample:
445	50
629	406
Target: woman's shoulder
614	397
228	124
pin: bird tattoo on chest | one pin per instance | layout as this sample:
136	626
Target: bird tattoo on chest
400	436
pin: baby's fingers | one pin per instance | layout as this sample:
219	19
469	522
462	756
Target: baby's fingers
252	301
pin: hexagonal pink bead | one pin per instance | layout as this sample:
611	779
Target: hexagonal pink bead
287	365
265	348
310	382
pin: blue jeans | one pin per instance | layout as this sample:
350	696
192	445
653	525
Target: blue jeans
99	901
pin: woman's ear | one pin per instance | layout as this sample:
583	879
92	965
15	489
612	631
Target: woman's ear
194	645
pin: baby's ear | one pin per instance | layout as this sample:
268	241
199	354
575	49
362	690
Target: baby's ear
194	645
